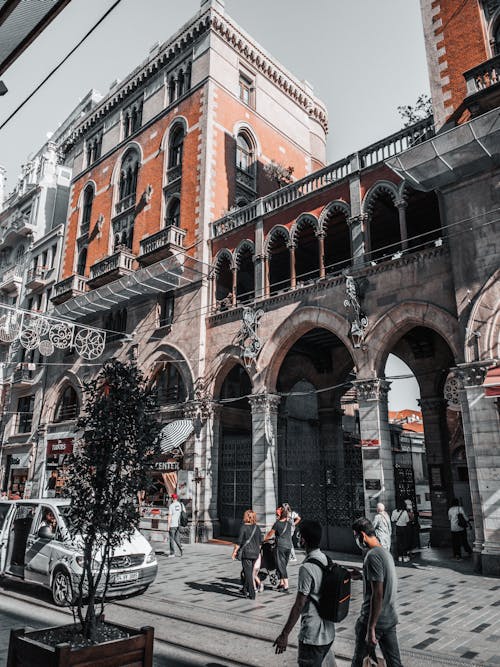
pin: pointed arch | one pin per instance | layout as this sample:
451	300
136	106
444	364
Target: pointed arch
336	206
376	189
304	220
244	246
277	232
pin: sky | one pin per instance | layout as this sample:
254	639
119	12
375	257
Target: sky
363	59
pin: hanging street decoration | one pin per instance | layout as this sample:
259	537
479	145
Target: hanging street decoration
46	333
248	339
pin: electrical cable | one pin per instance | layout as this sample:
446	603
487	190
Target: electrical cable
60	64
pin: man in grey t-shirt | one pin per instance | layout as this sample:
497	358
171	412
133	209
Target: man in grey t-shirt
378	618
316	634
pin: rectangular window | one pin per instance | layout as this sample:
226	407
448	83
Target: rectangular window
166	309
25	407
247	91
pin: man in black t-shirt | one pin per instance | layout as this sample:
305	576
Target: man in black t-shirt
378	618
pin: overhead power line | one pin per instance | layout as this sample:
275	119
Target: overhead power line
60	64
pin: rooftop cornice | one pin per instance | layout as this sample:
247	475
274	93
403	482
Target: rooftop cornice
210	19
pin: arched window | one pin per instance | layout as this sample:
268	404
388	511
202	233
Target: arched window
279	264
68	406
245	279
82	261
337	243
88	199
223	282
173	216
128	180
306	252
170	386
171	90
384	229
175	146
180	83
244	154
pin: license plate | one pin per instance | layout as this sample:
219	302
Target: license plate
126	576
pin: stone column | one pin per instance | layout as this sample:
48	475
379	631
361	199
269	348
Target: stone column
264	456
234	288
481	433
321	252
378	467
266	276
401	206
293	278
357	231
206	417
437	448
259	263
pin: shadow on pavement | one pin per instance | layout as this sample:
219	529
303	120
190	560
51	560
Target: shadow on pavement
214	588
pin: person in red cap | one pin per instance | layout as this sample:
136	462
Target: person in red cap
174	514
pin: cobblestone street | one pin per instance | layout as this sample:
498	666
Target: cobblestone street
448	615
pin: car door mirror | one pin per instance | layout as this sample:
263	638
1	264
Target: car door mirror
45	533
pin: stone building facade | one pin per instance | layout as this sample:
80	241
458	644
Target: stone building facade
267	315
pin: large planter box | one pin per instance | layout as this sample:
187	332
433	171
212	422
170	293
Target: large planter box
133	651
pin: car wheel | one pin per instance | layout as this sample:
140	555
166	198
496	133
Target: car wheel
62	590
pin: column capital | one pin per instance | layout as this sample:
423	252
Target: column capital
473	374
401	203
372	389
202	409
264	402
429	403
357	219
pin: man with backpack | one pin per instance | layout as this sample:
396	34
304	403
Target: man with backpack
378	618
316	633
175	515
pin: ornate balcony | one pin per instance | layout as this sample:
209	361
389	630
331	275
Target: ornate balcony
117	265
11	279
125	203
174	173
160	245
23	226
483	86
37	277
23	376
246	177
68	288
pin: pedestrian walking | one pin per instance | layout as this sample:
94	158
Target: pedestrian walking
316	635
401	520
458	526
382	526
378	618
174	515
248	550
294	519
282	532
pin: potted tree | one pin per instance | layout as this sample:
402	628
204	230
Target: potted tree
106	472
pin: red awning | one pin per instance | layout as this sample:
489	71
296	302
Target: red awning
491	382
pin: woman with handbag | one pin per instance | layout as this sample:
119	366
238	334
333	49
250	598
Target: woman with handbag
282	532
401	519
458	526
248	550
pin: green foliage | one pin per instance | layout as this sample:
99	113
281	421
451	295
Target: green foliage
419	111
278	173
109	467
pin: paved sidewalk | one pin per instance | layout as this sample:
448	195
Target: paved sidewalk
447	613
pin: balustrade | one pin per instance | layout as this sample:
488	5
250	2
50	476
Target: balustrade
397	142
125	203
119	260
483	76
69	287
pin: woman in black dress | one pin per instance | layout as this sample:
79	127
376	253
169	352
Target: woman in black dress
282	531
249	541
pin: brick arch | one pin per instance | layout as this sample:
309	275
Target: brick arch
304	220
482	334
223	253
89	183
336	206
371	195
277	231
246	244
383	335
115	174
294	327
172	126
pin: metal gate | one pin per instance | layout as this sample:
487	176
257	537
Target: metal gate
404	478
235	480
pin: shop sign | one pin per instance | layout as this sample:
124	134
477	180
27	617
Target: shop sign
372	485
59	446
185	484
166	466
20	460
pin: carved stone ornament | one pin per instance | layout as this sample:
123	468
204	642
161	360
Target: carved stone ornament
372	390
264	403
451	390
357	317
472	375
248	339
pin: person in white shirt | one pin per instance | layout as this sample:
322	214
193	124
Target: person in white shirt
401	518
174	514
458	526
382	526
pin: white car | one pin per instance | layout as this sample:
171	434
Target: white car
50	557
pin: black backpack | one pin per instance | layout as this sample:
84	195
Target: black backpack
335	591
183	517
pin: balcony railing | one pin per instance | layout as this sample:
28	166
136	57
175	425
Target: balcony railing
37	277
23	376
173	173
11	279
111	268
483	76
245	177
125	203
68	288
397	142
161	245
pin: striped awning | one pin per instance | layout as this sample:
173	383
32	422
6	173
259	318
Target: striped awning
174	434
491	382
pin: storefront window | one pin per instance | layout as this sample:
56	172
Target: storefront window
56	472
